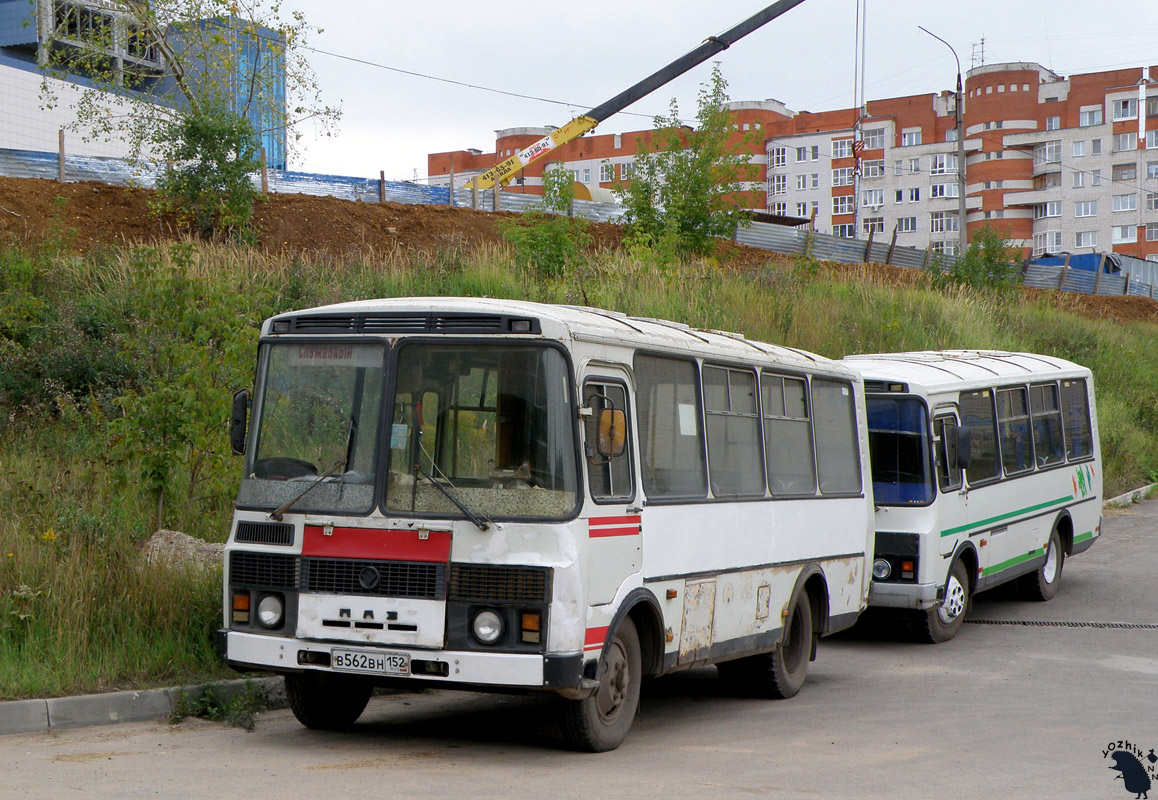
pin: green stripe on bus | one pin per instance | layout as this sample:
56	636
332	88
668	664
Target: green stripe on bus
1013	562
1009	515
1081	537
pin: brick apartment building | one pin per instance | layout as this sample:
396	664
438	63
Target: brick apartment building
1056	164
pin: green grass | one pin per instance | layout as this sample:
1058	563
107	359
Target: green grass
88	343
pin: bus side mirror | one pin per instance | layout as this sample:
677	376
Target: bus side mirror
612	438
237	422
964	447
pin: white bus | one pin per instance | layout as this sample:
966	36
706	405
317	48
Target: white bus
985	469
505	495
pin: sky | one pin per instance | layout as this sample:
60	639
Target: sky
572	56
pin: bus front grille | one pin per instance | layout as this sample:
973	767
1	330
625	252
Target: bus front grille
499	583
416	580
264	533
262	570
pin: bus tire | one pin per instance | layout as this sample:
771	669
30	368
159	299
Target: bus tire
942	622
327	704
600	722
1042	583
781	673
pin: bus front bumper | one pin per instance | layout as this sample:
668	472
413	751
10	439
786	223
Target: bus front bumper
919	596
287	654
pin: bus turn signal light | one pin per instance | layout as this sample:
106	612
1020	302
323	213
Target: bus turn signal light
532	625
241	607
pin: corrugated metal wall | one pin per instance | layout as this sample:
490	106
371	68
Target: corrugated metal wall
777	238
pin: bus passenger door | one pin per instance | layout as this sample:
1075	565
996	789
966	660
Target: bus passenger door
952	500
613	518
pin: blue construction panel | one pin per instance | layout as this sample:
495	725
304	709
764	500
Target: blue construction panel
17	23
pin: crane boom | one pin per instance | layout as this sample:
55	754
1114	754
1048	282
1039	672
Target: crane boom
504	171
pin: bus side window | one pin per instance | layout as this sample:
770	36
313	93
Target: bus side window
1047	424
609	476
1075	401
834	426
787	435
977	414
735	463
1013	420
671	440
947	438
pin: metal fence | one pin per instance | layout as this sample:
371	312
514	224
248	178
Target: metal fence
1141	281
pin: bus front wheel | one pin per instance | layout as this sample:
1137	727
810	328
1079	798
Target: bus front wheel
942	622
1042	583
600	722
327	704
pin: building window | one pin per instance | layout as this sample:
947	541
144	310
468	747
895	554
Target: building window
1124	142
780	208
801	154
1123	234
1050	180
816	180
907	224
1052	123
843	205
1086	239
943	190
1047	242
1152	231
1152	169
780	157
1079	179
1095	147
1096	178
842	176
842	148
1126	202
910	139
951	135
801	181
1047	153
914	195
874	169
815	152
874	138
943	164
873	225
1152	201
914	166
1124	172
777	184
1092	116
1151	139
1086	208
1152	106
945	248
1050	209
802	209
626	170
1125	109
899	167
1079	149
942	222
586	175
847	231
606	173
873	198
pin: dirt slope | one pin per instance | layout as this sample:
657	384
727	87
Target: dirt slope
93	213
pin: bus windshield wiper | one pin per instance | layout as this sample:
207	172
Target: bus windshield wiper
473	517
276	514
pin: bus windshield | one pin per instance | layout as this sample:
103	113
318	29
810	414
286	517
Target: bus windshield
492	425
316	426
899	449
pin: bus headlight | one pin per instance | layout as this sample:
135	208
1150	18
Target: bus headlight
882	569
270	611
487	626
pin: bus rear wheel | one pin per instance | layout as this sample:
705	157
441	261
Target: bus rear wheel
600	722
325	703
781	673
942	622
1042	583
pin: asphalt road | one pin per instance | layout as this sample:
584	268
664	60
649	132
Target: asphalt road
1010	710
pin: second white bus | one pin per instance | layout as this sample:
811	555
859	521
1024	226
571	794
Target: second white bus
985	470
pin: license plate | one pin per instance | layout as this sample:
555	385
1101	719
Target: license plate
370	662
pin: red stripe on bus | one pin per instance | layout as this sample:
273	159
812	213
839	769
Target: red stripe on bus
595	637
628	520
596	533
376	543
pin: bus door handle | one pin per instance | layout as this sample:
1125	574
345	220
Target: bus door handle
997	531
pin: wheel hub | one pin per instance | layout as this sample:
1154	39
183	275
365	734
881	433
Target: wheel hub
954	603
613	683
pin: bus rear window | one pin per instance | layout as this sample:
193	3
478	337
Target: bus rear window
899	449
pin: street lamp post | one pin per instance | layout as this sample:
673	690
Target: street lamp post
959	115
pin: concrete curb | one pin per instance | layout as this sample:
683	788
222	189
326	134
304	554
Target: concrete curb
1130	498
62	713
